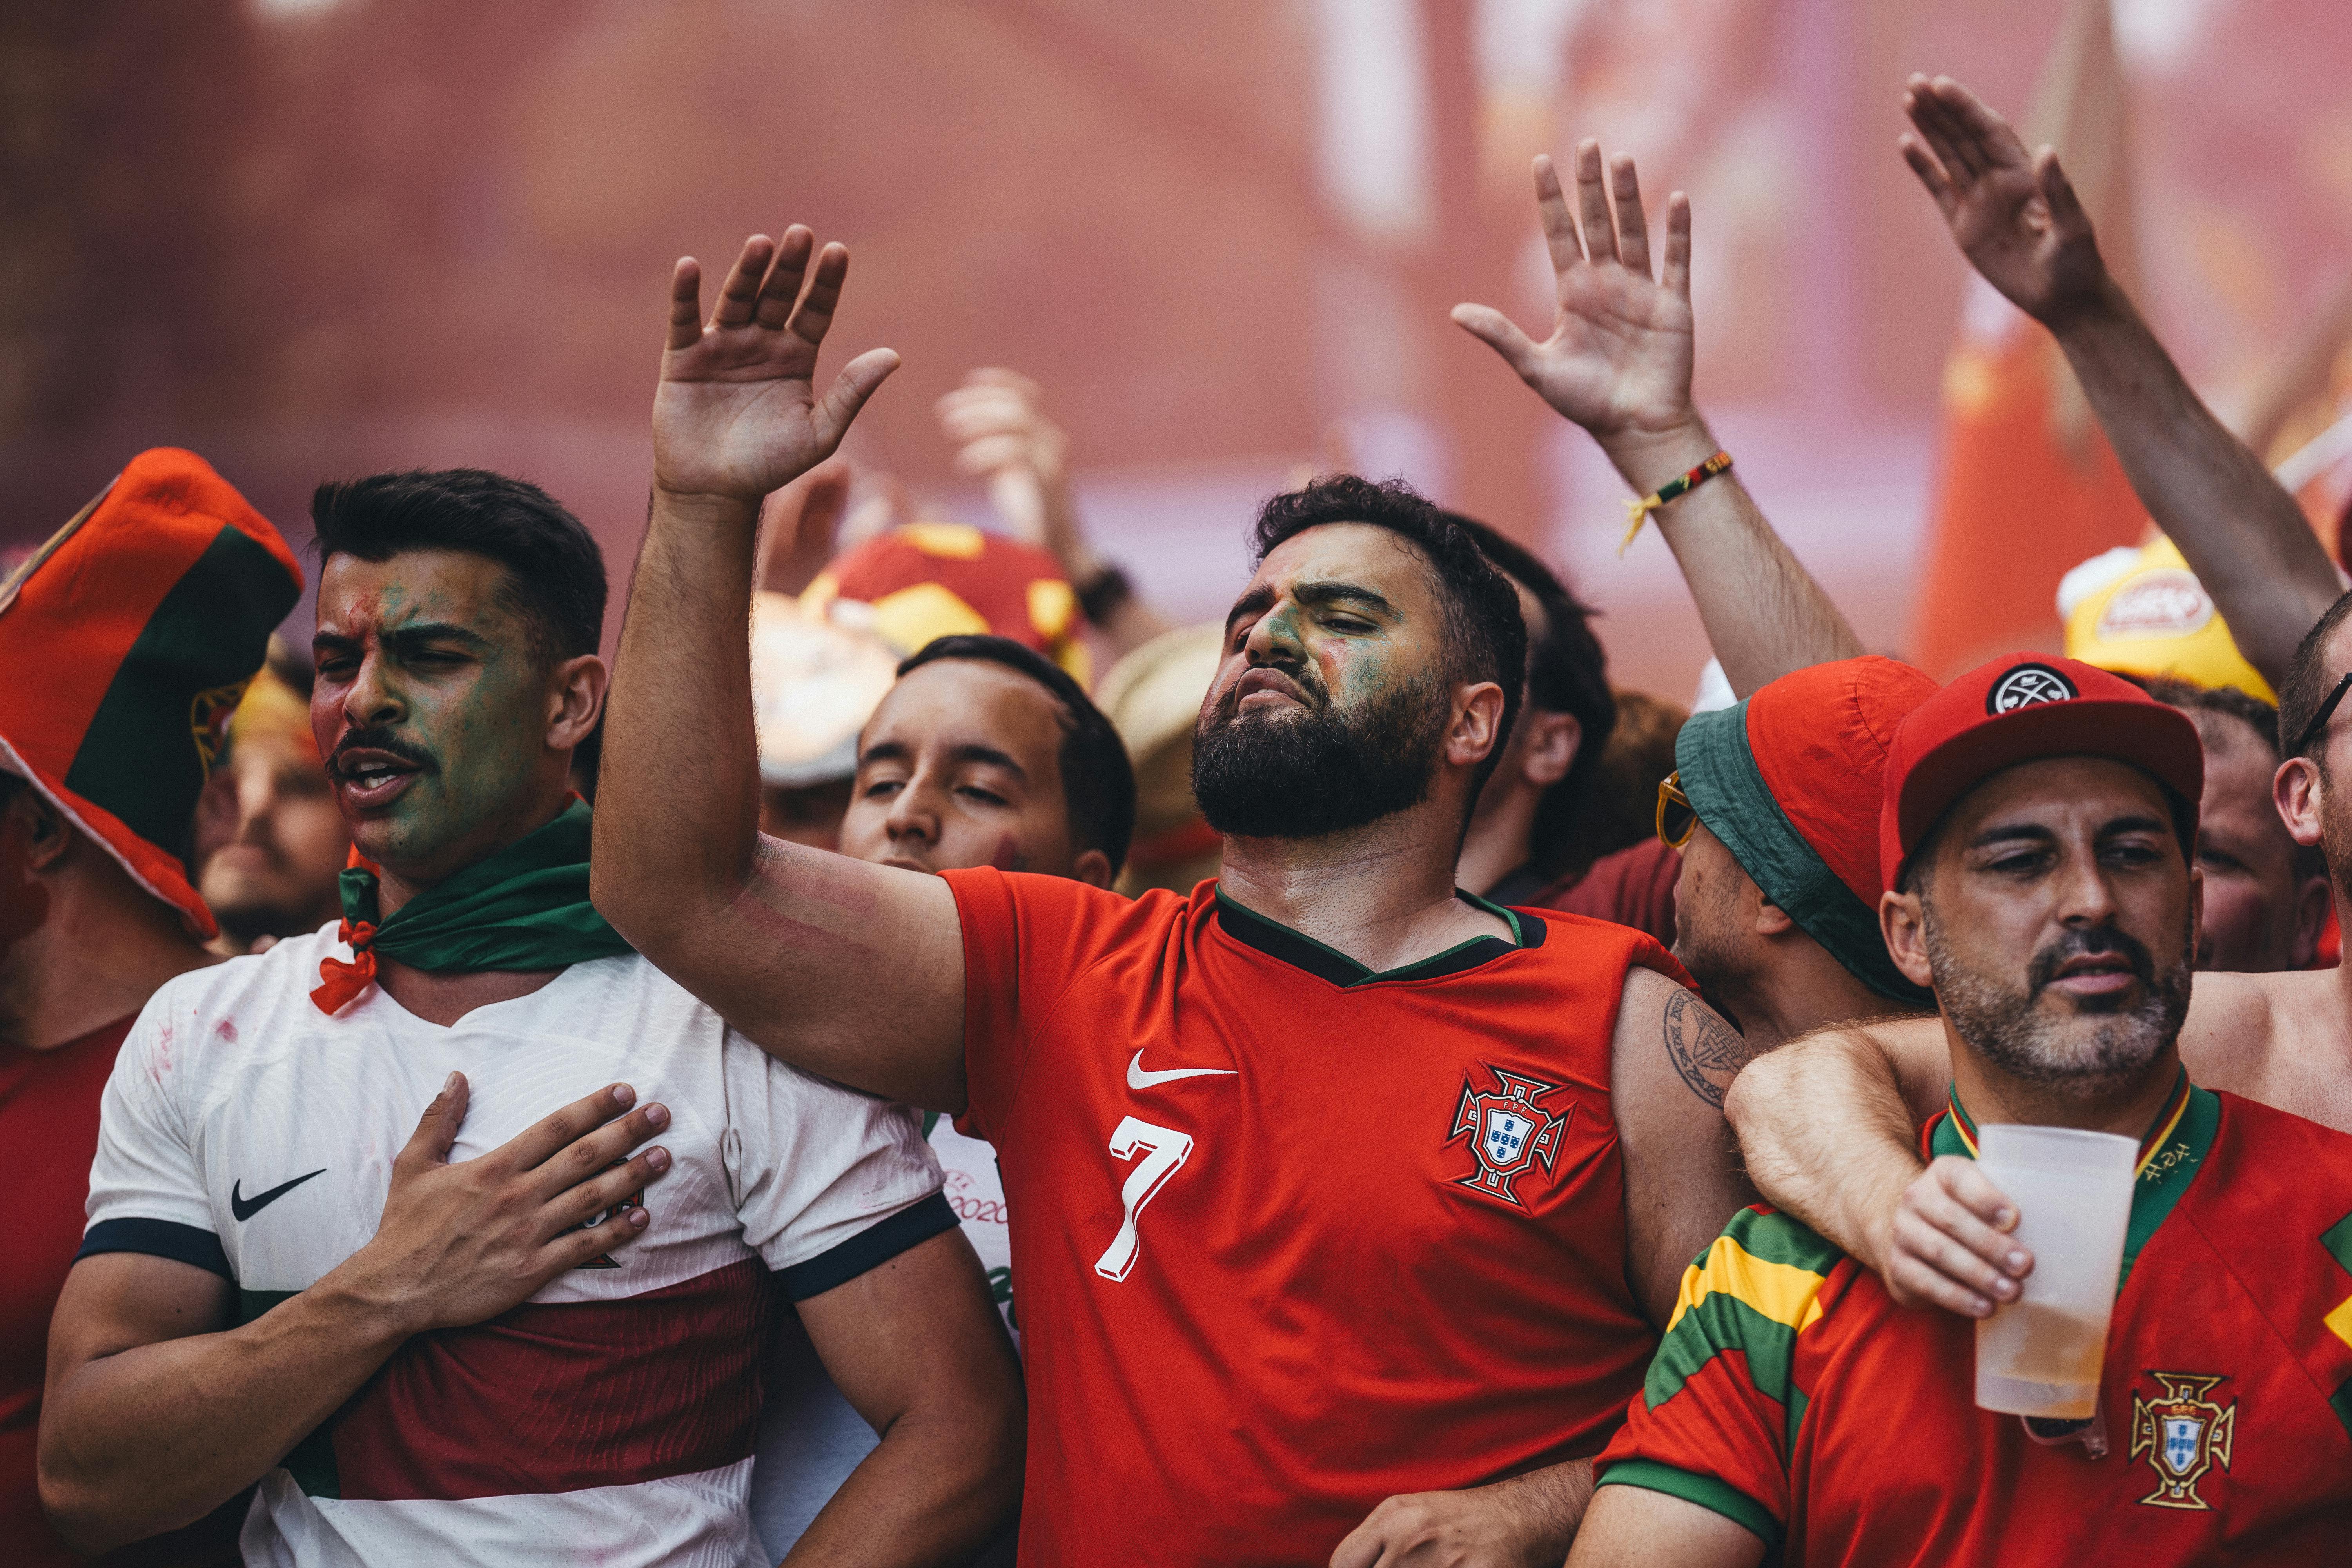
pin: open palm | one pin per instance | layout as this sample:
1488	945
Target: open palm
737	412
1619	358
2013	213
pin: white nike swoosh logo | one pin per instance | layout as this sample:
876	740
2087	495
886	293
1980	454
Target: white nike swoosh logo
1138	1078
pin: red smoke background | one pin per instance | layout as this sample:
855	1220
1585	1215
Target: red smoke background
308	239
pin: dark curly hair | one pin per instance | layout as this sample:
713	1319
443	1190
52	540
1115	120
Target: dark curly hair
1485	638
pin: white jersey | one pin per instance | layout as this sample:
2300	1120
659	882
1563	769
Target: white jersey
810	1438
610	1418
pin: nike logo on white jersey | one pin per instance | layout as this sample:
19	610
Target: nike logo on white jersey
1138	1078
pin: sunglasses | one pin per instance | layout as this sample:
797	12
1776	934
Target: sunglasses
2319	720
1677	820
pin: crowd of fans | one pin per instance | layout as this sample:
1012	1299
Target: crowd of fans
485	1104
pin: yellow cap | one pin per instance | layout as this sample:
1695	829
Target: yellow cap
2144	613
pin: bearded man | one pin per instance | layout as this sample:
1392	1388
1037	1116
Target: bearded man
2038	830
377	1218
1336	1191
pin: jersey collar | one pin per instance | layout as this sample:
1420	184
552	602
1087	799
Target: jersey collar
2170	1153
1277	941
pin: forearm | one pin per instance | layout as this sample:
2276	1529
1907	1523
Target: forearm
937	1489
1827	1135
1552	1502
678	802
155	1436
1764	614
2241	533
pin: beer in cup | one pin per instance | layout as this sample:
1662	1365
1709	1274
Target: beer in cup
2040	1355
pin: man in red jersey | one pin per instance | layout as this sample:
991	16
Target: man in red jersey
1333	1186
124	644
2038	827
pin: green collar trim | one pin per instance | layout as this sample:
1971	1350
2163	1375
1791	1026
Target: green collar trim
2171	1152
1300	950
525	907
1727	791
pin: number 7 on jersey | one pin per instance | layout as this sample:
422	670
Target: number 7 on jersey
1163	1150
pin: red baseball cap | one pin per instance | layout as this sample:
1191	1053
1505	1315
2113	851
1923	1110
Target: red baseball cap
2020	708
126	643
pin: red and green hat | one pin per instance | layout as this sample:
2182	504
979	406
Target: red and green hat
2020	708
1792	781
125	643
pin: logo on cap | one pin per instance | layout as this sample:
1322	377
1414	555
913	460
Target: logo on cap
2027	685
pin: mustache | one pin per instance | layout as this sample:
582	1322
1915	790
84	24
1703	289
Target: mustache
2100	940
378	738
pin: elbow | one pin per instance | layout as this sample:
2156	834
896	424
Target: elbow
1755	1086
85	1517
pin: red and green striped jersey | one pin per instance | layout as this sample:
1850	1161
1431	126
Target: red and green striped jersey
1790	1394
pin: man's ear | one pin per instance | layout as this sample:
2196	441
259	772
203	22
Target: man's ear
2301	798
48	836
1771	920
575	700
1093	868
1553	740
1902	926
1477	726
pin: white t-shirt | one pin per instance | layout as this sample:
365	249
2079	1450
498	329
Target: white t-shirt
810	1438
610	1418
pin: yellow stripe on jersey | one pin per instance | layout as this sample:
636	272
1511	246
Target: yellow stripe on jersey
1782	1292
2339	1322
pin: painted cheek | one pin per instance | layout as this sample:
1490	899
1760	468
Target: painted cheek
1008	855
24	900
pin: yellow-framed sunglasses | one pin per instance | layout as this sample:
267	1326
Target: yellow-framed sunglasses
1677	820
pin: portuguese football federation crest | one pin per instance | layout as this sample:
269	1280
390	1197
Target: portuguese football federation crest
2184	1435
1510	1131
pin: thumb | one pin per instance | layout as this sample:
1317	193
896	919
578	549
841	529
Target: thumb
850	389
2067	219
1498	332
437	1129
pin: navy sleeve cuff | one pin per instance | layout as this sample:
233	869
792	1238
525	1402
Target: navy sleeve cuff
869	1248
158	1238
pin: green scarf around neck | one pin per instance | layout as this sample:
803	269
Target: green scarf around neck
524	908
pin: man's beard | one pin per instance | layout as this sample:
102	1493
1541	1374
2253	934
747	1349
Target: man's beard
1324	769
2013	1031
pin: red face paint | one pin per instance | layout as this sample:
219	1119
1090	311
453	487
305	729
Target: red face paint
1008	855
24	900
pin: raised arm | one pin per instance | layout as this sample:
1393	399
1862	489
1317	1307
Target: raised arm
1827	1125
850	971
2019	222
1618	363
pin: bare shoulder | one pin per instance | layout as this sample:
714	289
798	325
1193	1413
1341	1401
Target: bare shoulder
2279	1040
1660	1018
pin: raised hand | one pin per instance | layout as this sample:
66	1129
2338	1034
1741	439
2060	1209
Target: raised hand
736	413
1619	358
2012	213
998	423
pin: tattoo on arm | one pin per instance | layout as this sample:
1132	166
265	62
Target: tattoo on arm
1706	1050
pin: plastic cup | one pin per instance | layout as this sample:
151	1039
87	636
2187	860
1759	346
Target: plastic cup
2040	1355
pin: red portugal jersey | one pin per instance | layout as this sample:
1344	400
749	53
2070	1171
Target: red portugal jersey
1292	1235
1793	1396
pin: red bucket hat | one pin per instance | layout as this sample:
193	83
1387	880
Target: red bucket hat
2020	708
125	643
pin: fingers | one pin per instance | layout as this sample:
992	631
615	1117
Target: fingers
781	286
684	304
589	1202
1551	211
1675	274
437	1129
537	1144
1633	231
1929	171
989	453
583	1157
850	389
1986	136
1593	202
738	294
1498	332
1950	1241
815	313
1010	380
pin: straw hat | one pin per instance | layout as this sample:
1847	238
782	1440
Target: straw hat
1153	697
814	682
